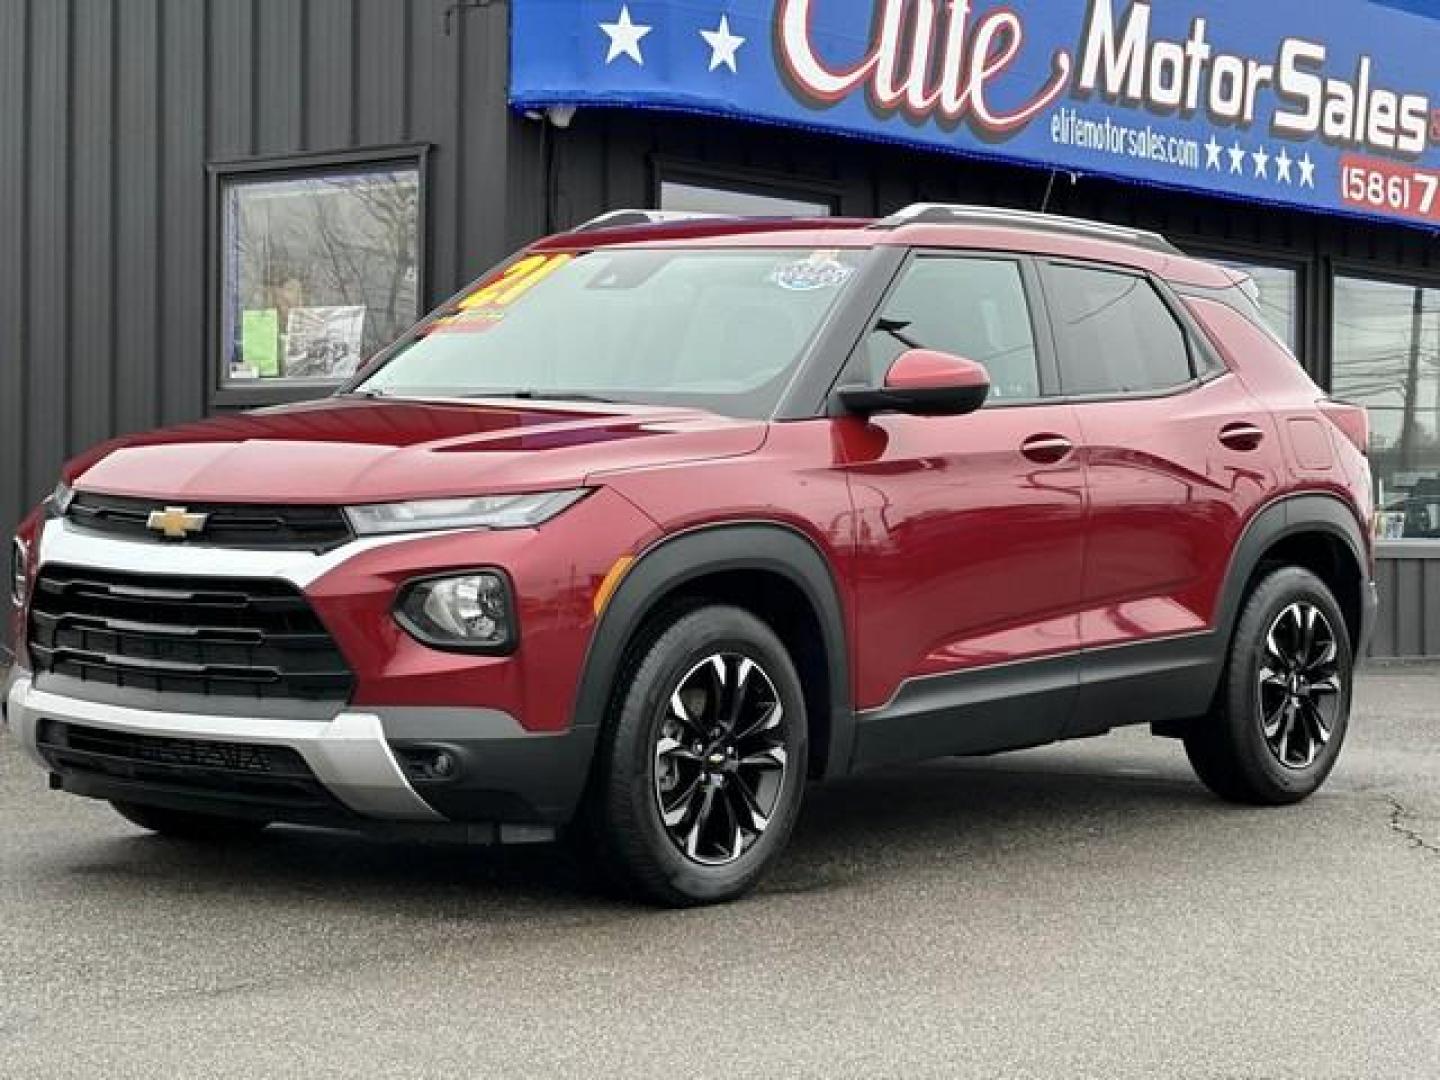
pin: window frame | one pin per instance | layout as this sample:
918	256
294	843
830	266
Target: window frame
1385	274
223	395
742	181
1201	373
1040	326
1308	347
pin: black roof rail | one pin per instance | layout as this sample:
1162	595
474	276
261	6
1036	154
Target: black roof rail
615	219
961	214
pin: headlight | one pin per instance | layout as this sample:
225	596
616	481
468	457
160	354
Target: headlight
483	512
19	572
466	611
58	503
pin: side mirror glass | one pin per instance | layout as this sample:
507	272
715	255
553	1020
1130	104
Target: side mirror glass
923	382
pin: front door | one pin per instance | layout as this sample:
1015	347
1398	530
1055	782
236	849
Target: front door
969	529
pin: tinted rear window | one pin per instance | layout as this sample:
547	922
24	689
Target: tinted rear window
1116	335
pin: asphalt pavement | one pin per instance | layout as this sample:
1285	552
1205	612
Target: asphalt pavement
1077	911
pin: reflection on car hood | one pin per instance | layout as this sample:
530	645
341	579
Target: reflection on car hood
353	450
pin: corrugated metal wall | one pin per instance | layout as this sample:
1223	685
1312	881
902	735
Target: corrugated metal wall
1409	586
110	111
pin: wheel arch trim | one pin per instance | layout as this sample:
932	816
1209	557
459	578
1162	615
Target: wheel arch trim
1291	515
682	557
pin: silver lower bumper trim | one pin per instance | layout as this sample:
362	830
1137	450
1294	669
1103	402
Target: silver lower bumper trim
348	754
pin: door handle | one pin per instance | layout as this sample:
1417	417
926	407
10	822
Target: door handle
1047	449
1241	435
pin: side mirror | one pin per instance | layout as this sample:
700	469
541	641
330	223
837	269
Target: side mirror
923	382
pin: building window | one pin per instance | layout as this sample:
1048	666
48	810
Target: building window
320	269
1277	291
746	202
1387	358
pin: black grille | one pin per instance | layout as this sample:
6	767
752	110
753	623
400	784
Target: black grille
276	774
279	528
182	635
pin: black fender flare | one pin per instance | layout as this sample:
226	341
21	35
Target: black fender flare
682	557
1287	516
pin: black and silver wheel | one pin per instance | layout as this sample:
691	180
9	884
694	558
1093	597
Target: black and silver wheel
1285	703
703	770
720	759
1298	685
182	825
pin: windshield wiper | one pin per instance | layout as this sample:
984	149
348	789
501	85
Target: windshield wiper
545	395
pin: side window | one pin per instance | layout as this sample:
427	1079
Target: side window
975	308
1115	334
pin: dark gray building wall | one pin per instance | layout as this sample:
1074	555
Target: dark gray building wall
111	111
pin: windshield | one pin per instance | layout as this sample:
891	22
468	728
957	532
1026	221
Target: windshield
715	329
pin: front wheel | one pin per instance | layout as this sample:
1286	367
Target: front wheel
1285	703
703	769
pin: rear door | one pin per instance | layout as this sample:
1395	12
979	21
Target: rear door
1176	457
968	528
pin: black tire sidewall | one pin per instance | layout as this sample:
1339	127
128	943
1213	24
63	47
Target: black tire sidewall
1261	772
654	863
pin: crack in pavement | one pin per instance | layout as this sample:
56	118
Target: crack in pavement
1413	837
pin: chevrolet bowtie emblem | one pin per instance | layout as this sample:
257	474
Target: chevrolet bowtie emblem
176	522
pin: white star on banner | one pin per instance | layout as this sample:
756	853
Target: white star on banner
723	44
1212	154
1307	171
1237	158
625	37
1262	164
1283	161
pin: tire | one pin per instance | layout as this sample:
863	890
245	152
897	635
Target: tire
749	801
1275	683
182	825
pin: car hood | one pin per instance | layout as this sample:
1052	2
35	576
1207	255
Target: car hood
355	450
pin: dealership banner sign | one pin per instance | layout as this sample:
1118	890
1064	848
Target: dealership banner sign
1332	107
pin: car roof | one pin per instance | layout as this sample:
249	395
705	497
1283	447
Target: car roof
996	233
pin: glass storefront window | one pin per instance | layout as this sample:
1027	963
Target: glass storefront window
708	199
1278	289
319	270
1387	358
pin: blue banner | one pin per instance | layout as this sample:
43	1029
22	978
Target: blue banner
1266	100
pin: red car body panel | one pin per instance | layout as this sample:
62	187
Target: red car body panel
955	545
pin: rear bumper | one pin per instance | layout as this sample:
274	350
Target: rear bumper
359	767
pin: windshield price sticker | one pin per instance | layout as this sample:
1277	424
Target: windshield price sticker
485	305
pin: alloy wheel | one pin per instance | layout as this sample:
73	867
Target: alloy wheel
720	759
1299	687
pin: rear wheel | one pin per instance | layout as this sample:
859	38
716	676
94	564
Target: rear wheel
703	769
182	825
1285	704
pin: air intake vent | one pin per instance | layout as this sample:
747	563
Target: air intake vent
212	636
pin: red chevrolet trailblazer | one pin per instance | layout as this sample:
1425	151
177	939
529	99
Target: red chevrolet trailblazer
669	516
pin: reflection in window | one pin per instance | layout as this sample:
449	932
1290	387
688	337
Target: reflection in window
1116	334
971	308
717	200
1277	291
1387	358
319	271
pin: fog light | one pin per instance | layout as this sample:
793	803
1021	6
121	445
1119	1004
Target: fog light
442	765
468	611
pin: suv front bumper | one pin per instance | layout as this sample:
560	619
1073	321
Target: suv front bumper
510	784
